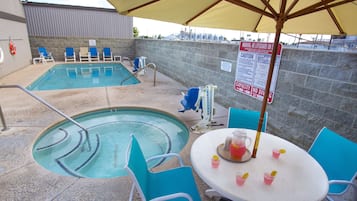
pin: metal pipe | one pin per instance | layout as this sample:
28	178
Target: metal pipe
52	108
3	120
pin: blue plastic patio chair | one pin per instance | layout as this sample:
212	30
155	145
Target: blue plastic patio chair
69	54
338	157
190	99
173	184
107	54
44	55
93	53
239	118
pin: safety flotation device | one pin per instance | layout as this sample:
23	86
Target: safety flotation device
12	48
1	55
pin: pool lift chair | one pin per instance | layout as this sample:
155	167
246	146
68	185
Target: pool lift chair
170	184
201	98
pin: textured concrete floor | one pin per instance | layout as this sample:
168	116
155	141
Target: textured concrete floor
21	178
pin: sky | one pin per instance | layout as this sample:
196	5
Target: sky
152	28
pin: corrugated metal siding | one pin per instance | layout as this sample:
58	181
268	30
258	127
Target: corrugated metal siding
74	22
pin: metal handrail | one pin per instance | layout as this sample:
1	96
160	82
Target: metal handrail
52	108
149	65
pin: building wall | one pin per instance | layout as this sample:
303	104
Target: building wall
57	45
59	26
53	20
314	88
13	26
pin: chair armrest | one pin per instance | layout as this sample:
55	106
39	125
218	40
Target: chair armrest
344	182
167	156
172	196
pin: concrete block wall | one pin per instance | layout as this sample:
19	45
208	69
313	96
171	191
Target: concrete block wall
314	88
57	45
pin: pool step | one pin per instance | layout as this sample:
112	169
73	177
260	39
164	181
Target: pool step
78	158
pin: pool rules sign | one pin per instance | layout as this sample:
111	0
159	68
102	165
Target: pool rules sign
252	69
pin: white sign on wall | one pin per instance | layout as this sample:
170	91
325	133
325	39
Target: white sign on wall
252	69
226	66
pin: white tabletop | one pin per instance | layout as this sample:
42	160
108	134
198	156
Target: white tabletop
299	177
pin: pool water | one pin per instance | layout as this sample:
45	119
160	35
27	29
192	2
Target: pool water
84	75
64	148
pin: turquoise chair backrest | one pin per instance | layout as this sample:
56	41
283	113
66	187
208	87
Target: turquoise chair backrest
239	118
137	164
337	156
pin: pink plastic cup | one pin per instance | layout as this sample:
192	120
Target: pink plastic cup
276	153
240	180
268	179
215	163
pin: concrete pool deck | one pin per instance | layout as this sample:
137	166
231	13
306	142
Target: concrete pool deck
21	178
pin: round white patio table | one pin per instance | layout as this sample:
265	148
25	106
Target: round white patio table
299	176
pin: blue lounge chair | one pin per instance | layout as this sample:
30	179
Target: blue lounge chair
107	54
44	55
173	184
189	100
239	118
69	54
93	54
338	157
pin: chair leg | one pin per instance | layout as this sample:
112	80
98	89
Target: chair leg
212	193
132	192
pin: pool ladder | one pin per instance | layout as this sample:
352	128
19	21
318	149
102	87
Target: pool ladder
49	106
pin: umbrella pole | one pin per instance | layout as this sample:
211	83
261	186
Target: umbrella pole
279	26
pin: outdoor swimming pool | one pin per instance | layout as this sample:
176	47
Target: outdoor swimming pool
70	76
64	149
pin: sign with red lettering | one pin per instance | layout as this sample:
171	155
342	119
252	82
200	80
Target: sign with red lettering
252	69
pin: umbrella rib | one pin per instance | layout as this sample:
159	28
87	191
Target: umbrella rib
267	5
317	7
334	19
251	7
261	16
203	11
292	5
142	5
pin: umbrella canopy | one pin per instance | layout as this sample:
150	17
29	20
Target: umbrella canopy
299	16
267	16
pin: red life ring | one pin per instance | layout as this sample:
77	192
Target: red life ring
12	48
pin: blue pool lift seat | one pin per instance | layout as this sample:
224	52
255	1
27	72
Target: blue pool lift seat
189	100
338	157
44	55
239	118
69	54
107	54
173	184
136	64
93	53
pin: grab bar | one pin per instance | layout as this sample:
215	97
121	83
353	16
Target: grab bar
52	108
